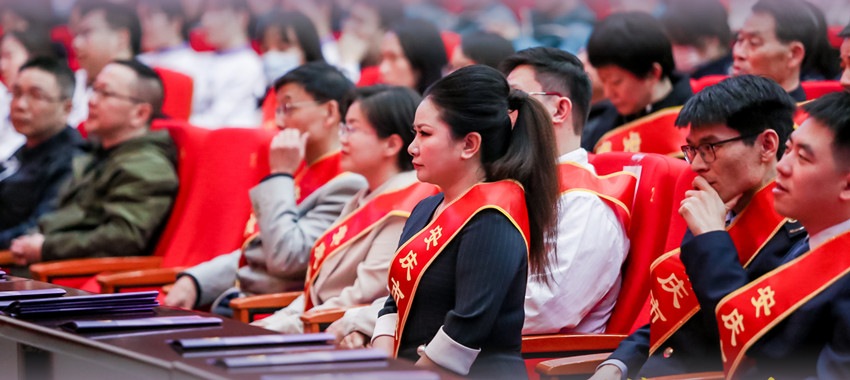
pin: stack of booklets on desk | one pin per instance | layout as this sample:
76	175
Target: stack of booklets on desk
118	303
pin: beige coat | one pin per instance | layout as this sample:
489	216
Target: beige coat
358	273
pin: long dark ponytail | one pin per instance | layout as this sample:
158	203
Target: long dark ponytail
478	99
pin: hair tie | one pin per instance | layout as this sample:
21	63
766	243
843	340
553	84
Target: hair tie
516	99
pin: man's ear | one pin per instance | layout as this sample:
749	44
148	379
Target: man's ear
471	145
769	143
797	53
140	114
332	116
844	195
563	111
656	72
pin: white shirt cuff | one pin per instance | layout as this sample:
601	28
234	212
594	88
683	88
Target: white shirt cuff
449	354
385	325
617	363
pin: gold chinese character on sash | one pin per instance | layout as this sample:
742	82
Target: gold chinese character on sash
408	262
655	311
319	252
734	321
436	234
604	148
765	301
632	143
673	285
395	291
339	235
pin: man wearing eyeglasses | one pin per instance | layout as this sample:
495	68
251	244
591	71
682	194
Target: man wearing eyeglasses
122	191
30	179
293	206
738	130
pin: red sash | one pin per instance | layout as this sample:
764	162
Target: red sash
617	190
358	223
413	258
672	299
307	179
653	133
748	313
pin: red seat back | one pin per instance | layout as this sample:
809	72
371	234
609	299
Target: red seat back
815	89
708	80
230	162
649	229
179	89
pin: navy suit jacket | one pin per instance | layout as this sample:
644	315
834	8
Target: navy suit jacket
695	346
812	342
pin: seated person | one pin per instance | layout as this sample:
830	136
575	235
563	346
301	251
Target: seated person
229	82
775	42
30	179
634	60
121	193
699	31
845	57
736	132
292	206
481	48
164	34
349	263
792	321
584	277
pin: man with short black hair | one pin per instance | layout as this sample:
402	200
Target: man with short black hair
737	132
792	321
634	60
121	193
30	179
293	206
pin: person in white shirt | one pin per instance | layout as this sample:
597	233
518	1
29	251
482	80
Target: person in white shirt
164	34
591	245
230	81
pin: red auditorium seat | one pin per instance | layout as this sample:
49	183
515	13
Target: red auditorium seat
816	89
651	210
654	133
179	89
698	84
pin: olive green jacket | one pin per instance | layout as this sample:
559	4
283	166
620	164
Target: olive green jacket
116	203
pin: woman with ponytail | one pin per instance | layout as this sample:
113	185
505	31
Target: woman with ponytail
457	281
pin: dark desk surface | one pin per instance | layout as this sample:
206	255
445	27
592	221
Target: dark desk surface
151	345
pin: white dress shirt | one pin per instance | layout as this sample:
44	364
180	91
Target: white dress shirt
10	139
585	275
181	58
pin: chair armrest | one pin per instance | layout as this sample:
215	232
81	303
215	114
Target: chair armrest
114	282
242	306
570	342
313	319
6	257
49	270
693	376
573	365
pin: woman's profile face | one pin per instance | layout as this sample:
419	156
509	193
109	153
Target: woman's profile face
436	153
361	148
395	68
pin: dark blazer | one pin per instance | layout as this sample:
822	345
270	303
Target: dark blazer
475	290
812	342
695	346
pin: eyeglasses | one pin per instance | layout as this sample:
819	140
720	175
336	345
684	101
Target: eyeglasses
104	93
286	108
346	129
544	93
35	95
706	150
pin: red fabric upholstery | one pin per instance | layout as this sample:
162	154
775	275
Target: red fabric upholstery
815	89
368	76
198	40
178	88
832	34
268	110
654	201
231	161
701	83
451	40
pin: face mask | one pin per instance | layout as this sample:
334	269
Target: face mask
277	63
